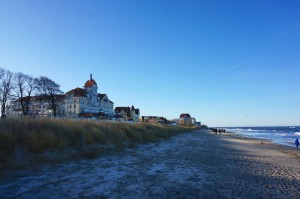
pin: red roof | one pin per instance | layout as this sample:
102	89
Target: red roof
185	115
88	115
90	83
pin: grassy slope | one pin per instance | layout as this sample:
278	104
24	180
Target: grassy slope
38	136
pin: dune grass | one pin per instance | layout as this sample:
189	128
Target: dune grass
40	135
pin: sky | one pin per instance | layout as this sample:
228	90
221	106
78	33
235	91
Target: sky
227	63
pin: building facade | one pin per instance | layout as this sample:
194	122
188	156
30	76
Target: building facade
36	107
185	119
78	102
154	120
127	113
83	101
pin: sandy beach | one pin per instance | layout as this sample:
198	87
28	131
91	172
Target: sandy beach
253	168
198	164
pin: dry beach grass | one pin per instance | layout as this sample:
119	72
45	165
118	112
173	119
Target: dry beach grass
40	135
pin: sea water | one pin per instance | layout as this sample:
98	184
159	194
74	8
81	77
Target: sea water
285	135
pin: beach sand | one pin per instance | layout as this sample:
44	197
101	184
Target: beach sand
249	168
198	164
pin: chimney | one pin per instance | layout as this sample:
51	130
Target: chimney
91	77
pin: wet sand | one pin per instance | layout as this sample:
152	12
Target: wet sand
198	164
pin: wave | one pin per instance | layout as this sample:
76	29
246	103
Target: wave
297	133
283	134
234	129
249	129
253	130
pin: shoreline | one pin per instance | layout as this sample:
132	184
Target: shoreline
268	144
283	135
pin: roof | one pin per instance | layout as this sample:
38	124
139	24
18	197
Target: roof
100	114
125	109
119	109
61	97
137	111
77	92
163	118
88	115
45	97
185	115
101	96
23	98
90	83
151	117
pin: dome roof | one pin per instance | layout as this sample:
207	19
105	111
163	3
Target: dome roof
90	82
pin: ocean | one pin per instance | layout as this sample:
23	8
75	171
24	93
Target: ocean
285	135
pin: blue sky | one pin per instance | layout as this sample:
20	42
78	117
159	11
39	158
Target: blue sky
227	63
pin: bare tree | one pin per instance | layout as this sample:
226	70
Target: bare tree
6	87
23	88
48	91
2	72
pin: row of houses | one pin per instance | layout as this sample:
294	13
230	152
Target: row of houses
185	119
87	103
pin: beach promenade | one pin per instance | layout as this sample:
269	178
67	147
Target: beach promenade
198	164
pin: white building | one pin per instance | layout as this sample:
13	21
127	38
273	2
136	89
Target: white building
128	114
86	101
36	107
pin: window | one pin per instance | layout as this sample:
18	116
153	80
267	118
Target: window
74	105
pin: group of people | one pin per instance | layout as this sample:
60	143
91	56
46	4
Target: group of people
216	131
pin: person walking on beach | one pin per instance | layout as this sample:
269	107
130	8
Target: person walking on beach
297	143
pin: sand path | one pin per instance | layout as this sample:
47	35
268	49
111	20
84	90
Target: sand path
193	165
